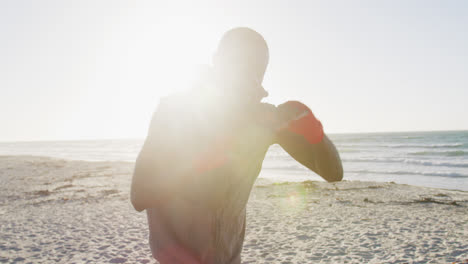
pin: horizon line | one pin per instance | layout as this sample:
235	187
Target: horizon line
142	138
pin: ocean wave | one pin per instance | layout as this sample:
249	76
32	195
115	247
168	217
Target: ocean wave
374	139
424	146
453	153
294	167
451	145
422	173
345	150
410	161
411	137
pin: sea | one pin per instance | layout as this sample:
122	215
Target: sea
431	159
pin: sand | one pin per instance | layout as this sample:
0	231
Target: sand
60	211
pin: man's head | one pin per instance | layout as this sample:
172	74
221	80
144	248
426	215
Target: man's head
242	56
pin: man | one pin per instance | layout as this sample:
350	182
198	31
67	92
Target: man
205	149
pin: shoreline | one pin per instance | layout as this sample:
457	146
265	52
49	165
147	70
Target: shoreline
76	211
264	171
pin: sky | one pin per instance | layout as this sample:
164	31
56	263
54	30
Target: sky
72	70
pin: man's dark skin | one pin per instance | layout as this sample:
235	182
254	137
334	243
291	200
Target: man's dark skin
204	151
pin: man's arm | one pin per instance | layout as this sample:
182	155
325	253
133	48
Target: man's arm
305	141
322	157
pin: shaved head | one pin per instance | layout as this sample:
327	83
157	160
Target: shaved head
245	50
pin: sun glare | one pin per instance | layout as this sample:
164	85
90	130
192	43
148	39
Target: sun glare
170	57
183	50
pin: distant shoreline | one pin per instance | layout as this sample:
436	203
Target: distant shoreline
142	138
261	181
432	159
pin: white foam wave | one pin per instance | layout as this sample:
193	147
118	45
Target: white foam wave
410	161
440	153
451	145
422	173
430	146
289	167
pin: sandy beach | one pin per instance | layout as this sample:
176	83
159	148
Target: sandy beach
63	211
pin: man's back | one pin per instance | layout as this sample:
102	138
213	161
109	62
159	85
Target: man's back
201	219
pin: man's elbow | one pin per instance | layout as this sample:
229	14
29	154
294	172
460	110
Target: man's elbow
333	174
332	165
335	177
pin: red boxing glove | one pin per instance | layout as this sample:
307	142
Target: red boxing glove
304	122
